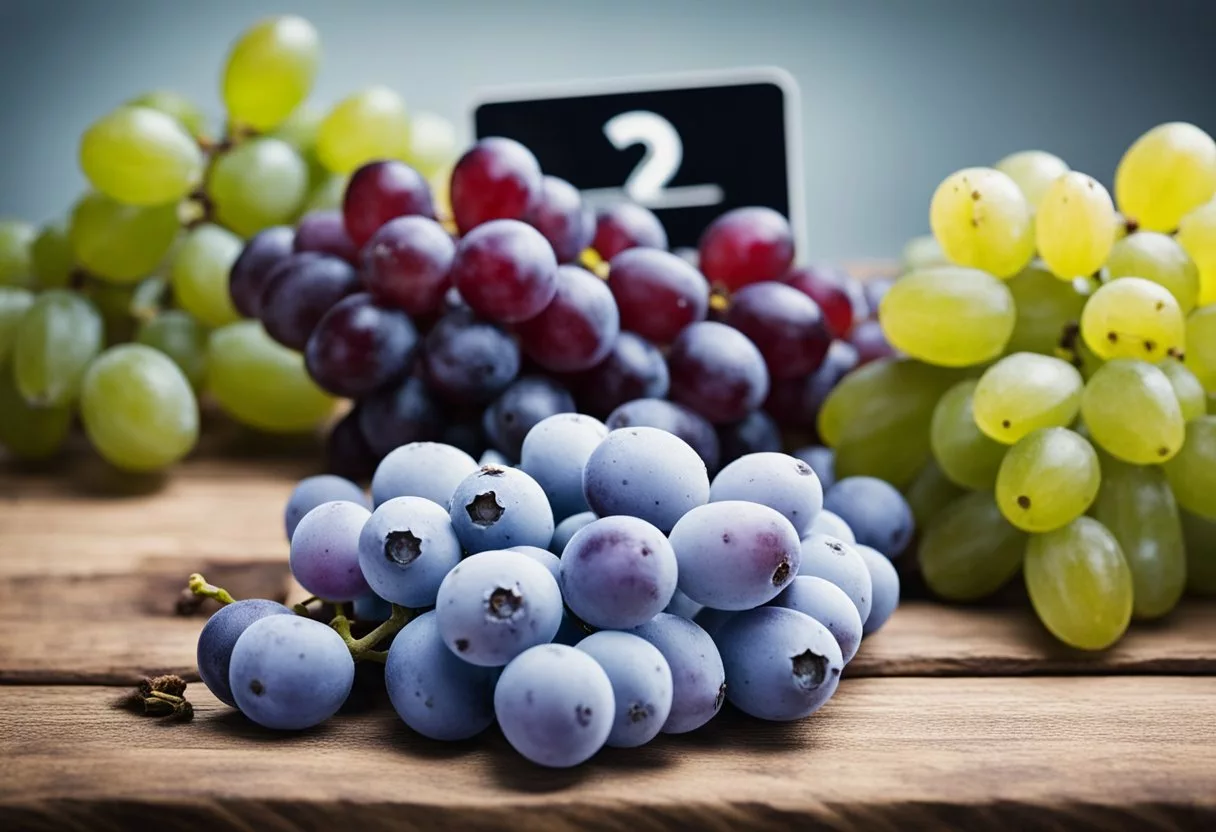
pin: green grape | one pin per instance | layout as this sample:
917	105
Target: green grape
140	156
258	184
433	145
1166	173
1201	346
16	240
1132	413
1192	471
1159	258
13	304
1200	536
368	125
1135	503
889	455
949	316
1046	306
1024	392
180	337
138	409
1033	171
1133	318
200	274
1191	396
148	298
261	383
970	550
922	253
1197	234
51	256
1080	584
122	243
966	455
113	302
1049	478
1075	226
982	220
270	71
930	493
327	194
1085	360
57	338
29	432
300	129
177	106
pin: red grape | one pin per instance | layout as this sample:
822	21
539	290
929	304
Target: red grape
406	264
325	232
657	292
380	191
627	225
505	271
359	347
784	324
758	433
829	289
634	369
717	371
496	179
396	416
469	360
299	291
560	215
578	327
746	245
796	402
521	406
870	342
251	271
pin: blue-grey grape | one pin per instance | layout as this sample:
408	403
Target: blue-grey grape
618	572
497	508
711	620
885	582
406	548
542	556
421	469
687	424
554	454
641	685
878	514
834	560
833	525
325	551
779	481
370	607
683	606
822	461
566	530
697	678
829	605
311	492
646	473
219	636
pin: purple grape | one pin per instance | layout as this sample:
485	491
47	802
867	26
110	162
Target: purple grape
559	214
784	324
311	492
495	605
299	291
796	402
658	293
618	572
555	452
406	264
495	179
673	418
469	361
634	369
380	191
421	469
646	473
829	288
359	347
566	530
251	271
505	271
870	342
698	680
683	606
885	581
523	405
782	665
577	329
641	685
289	672
398	416
830	606
755	434
877	513
834	560
779	481
746	245
830	524
219	636
822	461
626	225
325	551
325	233
497	508
406	548
347	453
717	371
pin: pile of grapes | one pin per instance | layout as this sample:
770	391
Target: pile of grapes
657	595
1049	409
121	313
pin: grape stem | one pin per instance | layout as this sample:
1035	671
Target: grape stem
301	608
363	649
199	586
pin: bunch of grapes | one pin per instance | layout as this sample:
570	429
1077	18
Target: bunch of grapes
603	591
1049	409
121	314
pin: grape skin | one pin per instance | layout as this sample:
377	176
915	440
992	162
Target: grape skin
877	514
1075	226
325	550
527	401
421	469
121	243
1024	392
52	260
641	685
260	183
626	225
251	271
495	179
965	454
1165	174
1132	413
658	293
16	242
300	290
716	371
358	348
1032	171
184	111
505	271
1200	534
633	369
559	214
57	338
698	678
396	416
1197	234
755	433
555	453
270	71
1045	306
1159	258
1047	479
1133	318
201	266
1192	471
497	508
746	245
27	432
983	221
617	572
826	603
219	636
406	264
781	482
311	492
928	494
840	563
1201	346
180	337
1191	396
784	324
369	125
140	156
14	302
578	327
406	548
469	360
970	550
673	418
884	581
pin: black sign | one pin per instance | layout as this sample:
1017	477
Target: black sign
687	147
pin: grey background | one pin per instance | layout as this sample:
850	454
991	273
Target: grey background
895	93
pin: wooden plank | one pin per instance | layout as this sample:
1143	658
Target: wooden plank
884	754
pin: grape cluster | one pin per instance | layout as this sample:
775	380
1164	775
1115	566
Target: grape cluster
1047	411
603	591
120	314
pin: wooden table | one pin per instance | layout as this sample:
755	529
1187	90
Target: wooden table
971	718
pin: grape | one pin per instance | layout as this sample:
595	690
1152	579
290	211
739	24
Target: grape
261	383
381	191
746	245
1192	471
949	316
618	572
834	560
783	665
433	143
434	692
1024	392
658	293
311	492
14	302
1166	173
496	508
505	271
965	453
697	676
347	453
928	494
1197	235
1080	584
796	402
567	528
683	606
783	483
464	432
1046	306
299	291
1133	318
30	432
555	452
579	326
184	111
821	461
359	347
626	225
646	473
717	371
219	636
831	524
1047	480
257	184
140	156
1159	258
324	232
1191	397
289	672
52	260
56	339
982	220
828	289
421	469
970	550
406	264
1032	171
641	685
325	550
270	71
756	433
406	548
826	603
1199	533
878	514
16	242
521	406
180	337
252	269
785	325
399	415
1075	226
122	243
555	705
495	605
367	126
1201	345
327	194
558	213
201	265
885	581
495	179
1130	410
468	360
925	251
871	342
634	369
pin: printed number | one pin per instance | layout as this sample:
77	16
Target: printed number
647	183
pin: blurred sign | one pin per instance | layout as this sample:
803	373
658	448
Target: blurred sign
689	147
